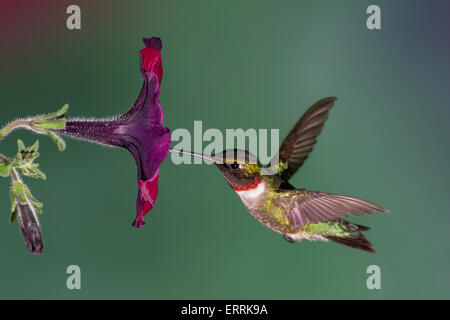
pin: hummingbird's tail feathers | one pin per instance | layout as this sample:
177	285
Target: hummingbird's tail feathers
355	239
361	227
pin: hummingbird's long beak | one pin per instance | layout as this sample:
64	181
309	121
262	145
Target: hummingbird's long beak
198	155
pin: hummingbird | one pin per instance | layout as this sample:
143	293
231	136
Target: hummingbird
296	214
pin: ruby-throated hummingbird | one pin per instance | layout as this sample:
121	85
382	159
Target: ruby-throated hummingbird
295	213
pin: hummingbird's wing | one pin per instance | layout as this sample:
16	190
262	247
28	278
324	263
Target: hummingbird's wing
312	207
301	140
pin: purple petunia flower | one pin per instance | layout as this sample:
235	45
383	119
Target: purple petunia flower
139	130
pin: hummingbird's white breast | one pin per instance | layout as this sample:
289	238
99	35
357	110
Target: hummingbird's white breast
252	198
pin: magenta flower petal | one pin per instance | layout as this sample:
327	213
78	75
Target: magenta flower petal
150	62
151	57
142	133
139	130
148	191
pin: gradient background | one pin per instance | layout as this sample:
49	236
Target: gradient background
257	64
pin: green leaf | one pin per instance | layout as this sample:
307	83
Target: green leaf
20	145
4	169
39	210
52	121
57	139
13	216
24	160
53	124
33	172
34	148
19	191
61	112
58	114
12	195
38	205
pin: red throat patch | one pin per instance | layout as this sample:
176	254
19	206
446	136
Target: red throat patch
252	185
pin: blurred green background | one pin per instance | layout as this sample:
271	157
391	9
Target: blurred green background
234	64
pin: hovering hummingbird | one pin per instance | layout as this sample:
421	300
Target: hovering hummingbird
295	213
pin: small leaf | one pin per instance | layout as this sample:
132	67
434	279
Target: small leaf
38	205
38	210
12	195
4	169
57	139
20	145
19	192
34	148
53	124
39	174
58	114
13	216
33	172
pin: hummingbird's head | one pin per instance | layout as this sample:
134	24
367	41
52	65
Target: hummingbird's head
240	168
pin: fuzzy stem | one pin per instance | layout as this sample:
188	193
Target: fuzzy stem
14	125
4	159
15	177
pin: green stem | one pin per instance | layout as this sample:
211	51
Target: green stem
4	159
13	173
14	125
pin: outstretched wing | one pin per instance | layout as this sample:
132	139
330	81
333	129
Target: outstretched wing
301	140
313	207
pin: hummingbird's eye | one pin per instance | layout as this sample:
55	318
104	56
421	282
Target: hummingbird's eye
234	165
